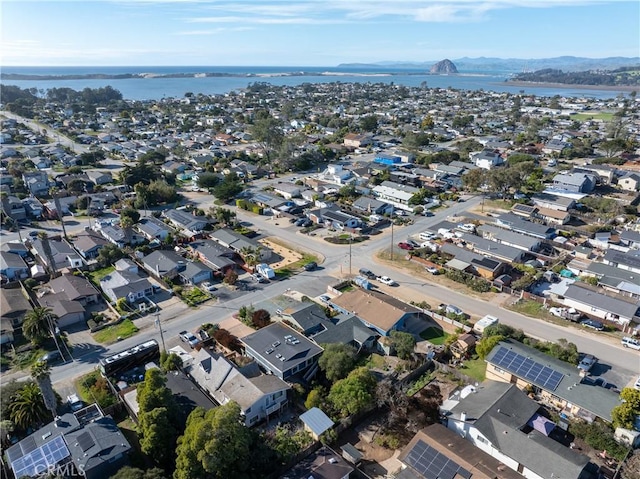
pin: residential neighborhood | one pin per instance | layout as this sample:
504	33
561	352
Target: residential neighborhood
342	280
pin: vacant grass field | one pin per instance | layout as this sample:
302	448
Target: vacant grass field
530	308
592	116
111	334
434	335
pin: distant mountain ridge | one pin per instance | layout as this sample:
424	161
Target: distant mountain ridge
566	63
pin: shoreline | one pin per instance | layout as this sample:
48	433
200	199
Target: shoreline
532	84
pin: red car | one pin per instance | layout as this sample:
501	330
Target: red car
406	246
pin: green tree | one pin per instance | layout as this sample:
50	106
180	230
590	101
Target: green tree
337	361
369	123
109	254
268	133
624	414
403	343
486	344
131	214
37	324
41	373
215	445
26	408
315	398
353	393
474	179
208	180
170	362
128	472
156	417
228	188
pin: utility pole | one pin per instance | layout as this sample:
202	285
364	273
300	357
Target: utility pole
159	325
392	236
350	255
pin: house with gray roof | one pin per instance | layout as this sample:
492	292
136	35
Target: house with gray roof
349	331
188	224
614	279
14	305
553	202
574	182
154	229
195	272
213	254
164	263
370	205
594	302
493	249
13	207
259	396
520	225
74	288
497	418
126	284
557	384
88	243
308	317
62	254
629	260
95	450
239	243
13	267
509	238
282	351
629	181
630	238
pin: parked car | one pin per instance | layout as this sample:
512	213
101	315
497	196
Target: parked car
386	280
412	243
428	213
306	223
189	338
468	227
636	385
432	270
324	298
426	236
74	402
451	309
632	343
406	246
587	362
369	274
33	234
299	221
258	278
310	266
558	312
593	324
207	286
51	357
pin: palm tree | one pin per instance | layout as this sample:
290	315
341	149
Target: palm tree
41	373
37	327
27	408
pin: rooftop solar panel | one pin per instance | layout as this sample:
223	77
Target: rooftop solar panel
534	372
42	459
432	464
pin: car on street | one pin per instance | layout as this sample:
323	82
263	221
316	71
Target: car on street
428	213
632	343
386	280
405	246
593	324
310	266
189	338
433	270
299	221
368	273
324	298
587	362
33	234
51	357
207	286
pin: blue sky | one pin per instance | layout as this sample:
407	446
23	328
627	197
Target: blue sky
310	32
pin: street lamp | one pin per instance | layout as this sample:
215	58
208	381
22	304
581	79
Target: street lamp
392	235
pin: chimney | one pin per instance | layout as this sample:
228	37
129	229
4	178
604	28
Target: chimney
463	416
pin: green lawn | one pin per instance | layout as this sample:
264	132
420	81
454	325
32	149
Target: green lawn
530	308
111	334
592	116
194	296
474	368
98	274
434	335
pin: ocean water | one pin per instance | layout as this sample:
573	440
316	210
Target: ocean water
151	88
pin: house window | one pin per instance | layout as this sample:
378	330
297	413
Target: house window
482	440
498	370
248	411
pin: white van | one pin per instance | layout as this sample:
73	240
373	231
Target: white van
632	343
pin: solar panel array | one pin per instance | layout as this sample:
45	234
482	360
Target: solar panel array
432	464
42	459
526	368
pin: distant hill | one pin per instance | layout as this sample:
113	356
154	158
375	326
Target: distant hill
565	63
